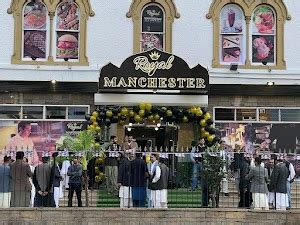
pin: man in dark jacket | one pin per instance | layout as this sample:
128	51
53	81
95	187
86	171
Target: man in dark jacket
139	172
56	179
124	181
244	185
278	184
43	184
75	182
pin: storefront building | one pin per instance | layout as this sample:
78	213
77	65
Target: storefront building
53	51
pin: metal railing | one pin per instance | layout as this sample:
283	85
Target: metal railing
125	181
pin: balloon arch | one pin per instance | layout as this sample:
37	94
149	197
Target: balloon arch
146	112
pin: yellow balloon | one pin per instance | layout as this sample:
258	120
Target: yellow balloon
169	113
109	113
131	113
137	118
93	119
210	138
142	112
185	119
98	129
151	118
142	106
148	106
147	158
95	114
207	116
124	111
193	110
206	134
199	112
203	122
89	127
95	124
156	117
122	122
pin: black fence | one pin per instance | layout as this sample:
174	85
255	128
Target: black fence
178	179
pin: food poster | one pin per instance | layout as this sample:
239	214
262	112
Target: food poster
67	16
150	41
263	48
231	48
263	20
42	136
34	25
232	19
67	45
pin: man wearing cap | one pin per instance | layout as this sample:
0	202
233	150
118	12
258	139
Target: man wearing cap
42	181
20	185
5	194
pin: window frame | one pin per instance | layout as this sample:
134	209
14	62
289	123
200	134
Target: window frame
16	9
135	11
249	7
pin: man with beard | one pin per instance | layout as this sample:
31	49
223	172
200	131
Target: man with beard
244	185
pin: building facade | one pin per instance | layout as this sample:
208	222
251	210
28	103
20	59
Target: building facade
249	48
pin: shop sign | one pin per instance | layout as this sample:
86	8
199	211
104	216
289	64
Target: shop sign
155	70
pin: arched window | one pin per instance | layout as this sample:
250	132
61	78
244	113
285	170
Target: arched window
35	31
249	33
67	31
153	28
232	35
152	22
263	37
50	32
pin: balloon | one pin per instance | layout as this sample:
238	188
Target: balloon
142	112
185	112
87	117
136	109
102	115
203	122
122	122
169	113
199	112
148	113
156	117
206	134
193	110
137	118
185	119
114	119
109	113
148	106
131	120
142	106
210	138
93	119
131	113
154	110
209	122
204	110
207	116
124	111
123	118
151	118
95	114
115	110
95	124
107	122
89	127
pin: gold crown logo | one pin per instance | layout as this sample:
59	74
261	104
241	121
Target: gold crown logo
154	56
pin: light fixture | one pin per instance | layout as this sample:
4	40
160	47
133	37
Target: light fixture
130	124
270	83
128	128
156	128
233	67
53	81
158	125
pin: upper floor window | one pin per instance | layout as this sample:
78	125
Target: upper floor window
152	24
50	32
153	28
248	33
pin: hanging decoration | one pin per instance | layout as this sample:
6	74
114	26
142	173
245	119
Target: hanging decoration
147	113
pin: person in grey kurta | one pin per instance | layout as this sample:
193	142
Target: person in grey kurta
278	184
20	185
258	177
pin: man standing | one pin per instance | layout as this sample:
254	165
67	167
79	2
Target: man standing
244	185
196	157
139	172
290	180
75	182
20	186
278	185
130	146
158	183
111	165
5	194
56	178
43	184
